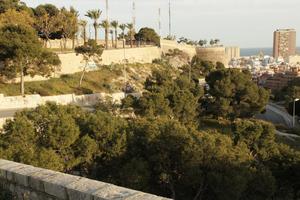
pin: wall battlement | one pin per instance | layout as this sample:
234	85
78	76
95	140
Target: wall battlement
28	182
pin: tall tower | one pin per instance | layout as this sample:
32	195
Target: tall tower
159	22
133	15
170	19
284	43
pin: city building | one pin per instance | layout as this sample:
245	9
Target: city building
294	60
280	80
284	43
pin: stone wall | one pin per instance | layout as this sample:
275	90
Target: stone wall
166	45
32	183
58	44
32	101
72	63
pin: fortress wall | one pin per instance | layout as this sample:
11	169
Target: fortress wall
28	182
166	45
213	54
72	63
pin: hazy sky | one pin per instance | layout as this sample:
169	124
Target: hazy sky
246	23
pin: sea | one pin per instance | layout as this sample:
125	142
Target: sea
256	51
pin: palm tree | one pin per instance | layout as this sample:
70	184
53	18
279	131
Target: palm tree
217	41
83	24
131	32
112	37
94	15
105	24
115	25
75	14
123	27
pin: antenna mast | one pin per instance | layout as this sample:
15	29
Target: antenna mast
170	20
159	21
133	15
107	10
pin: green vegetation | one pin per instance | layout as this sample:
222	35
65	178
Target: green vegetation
158	154
5	194
185	141
89	50
201	43
22	54
105	79
96	81
115	25
130	34
148	35
94	15
11	4
233	94
288	94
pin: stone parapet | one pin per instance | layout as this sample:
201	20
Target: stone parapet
32	183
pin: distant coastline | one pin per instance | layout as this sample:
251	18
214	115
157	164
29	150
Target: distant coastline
256	51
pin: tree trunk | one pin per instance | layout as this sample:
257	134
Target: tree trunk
73	43
106	38
201	188
131	41
172	191
124	42
96	32
83	73
116	38
61	45
65	43
22	85
84	35
112	40
50	45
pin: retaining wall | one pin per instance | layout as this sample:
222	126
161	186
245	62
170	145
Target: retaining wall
32	101
72	63
166	45
32	183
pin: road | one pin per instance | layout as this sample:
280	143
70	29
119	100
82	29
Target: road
276	115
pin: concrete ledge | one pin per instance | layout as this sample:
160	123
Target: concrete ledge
34	183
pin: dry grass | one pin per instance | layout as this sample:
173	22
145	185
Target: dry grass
106	79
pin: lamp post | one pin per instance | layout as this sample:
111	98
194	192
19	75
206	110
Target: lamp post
294	111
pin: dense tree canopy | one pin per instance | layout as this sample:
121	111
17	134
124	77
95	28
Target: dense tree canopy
166	149
156	154
167	96
11	4
47	20
147	35
21	54
12	16
233	94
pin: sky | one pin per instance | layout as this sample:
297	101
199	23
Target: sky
244	23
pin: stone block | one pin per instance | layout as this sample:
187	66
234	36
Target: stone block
4	169
112	192
83	189
145	196
36	179
56	185
21	175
